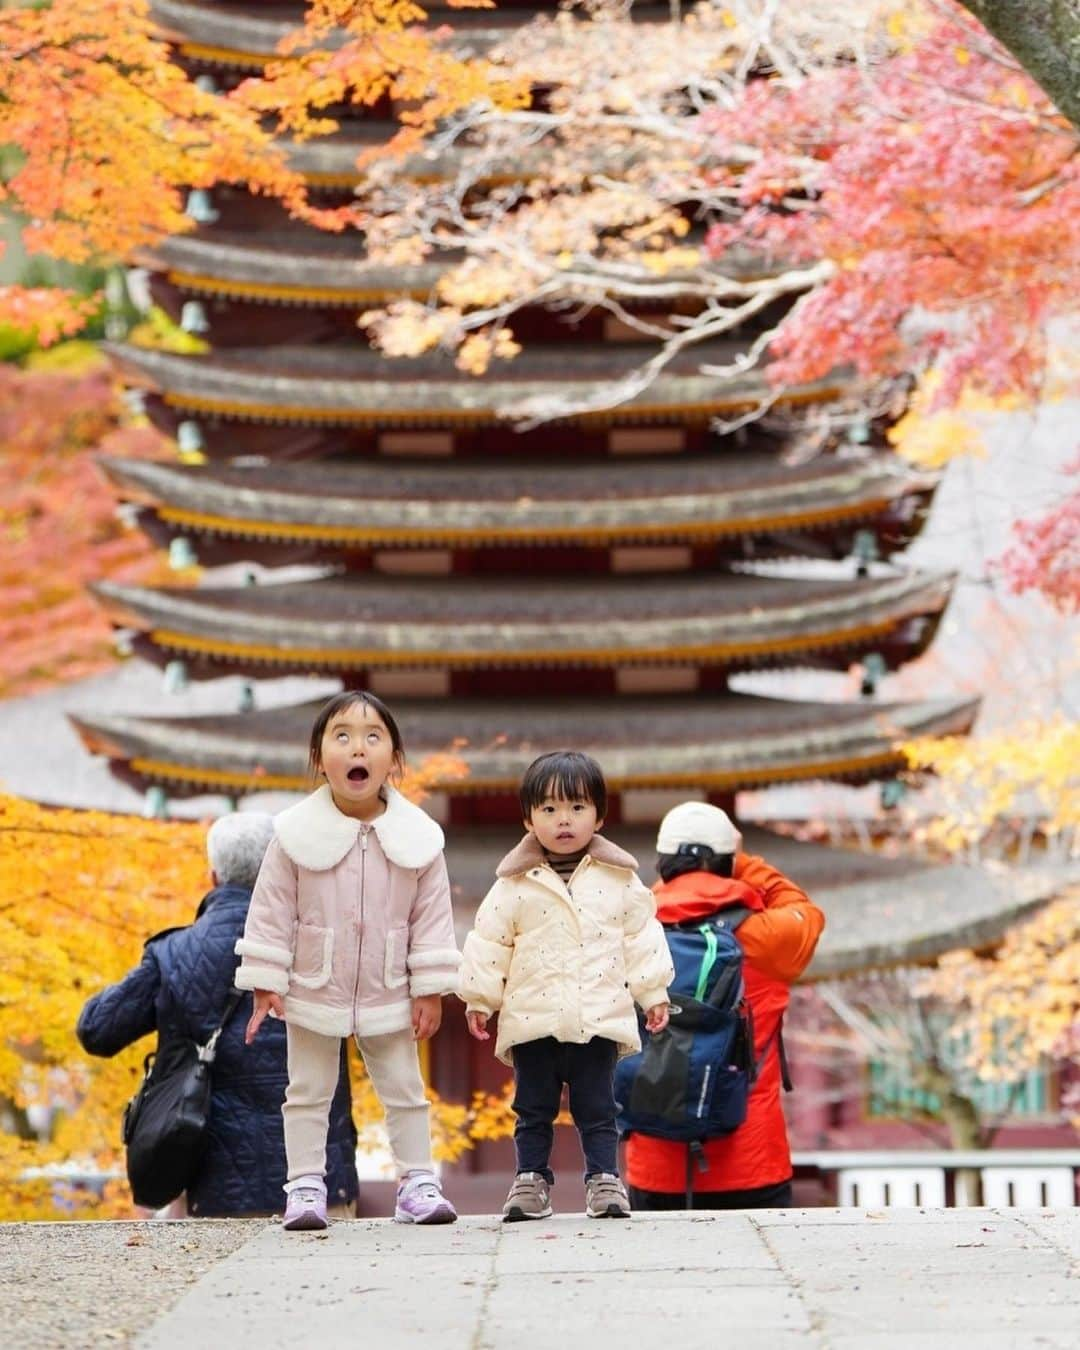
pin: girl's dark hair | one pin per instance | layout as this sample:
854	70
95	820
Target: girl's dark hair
694	858
347	699
565	774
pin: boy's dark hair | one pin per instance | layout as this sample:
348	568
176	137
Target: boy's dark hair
347	699
694	858
565	774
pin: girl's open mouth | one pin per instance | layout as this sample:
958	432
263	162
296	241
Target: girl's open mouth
358	774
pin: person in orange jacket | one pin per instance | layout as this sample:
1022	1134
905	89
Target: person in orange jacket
703	870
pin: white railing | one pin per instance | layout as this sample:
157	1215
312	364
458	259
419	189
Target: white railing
934	1178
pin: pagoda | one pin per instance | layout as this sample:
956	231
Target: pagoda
592	582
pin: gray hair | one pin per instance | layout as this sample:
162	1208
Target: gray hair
235	846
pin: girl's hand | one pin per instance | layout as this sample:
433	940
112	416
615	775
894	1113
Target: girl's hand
656	1017
477	1022
426	1016
265	1002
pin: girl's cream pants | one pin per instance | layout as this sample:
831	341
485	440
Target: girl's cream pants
394	1069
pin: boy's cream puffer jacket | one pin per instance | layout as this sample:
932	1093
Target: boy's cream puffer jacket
566	961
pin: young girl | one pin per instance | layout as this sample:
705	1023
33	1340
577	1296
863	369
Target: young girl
350	933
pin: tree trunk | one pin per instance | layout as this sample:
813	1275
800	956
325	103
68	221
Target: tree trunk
1044	36
961	1118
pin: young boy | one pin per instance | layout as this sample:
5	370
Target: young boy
563	944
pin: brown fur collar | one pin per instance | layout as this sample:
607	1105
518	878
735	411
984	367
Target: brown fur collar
529	854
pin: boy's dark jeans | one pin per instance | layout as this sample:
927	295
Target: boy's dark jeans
540	1070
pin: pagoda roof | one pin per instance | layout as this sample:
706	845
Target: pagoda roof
381	503
720	742
319	268
352	384
373	621
216	35
880	911
286	267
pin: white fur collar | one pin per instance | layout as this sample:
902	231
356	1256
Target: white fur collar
316	835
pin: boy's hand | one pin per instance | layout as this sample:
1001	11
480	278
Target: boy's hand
265	1002
426	1016
656	1017
477	1022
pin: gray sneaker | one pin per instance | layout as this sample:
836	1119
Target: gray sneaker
606	1198
529	1198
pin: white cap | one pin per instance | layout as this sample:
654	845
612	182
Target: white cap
697	823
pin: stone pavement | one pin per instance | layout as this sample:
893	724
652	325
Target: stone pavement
825	1278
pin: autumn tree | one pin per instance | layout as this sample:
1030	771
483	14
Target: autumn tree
108	134
951	1050
889	171
81	892
1028	774
59	523
1018	1007
880	189
886	1031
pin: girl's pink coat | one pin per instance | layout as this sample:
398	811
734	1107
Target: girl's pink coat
350	922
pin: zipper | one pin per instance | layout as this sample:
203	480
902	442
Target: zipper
360	917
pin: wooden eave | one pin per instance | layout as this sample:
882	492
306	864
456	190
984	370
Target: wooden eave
208	35
720	743
329	277
377	622
354	386
381	504
314	278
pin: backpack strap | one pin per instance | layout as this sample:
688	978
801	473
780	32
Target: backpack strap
734	915
695	1155
785	1072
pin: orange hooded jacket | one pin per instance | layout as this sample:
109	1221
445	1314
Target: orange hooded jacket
778	940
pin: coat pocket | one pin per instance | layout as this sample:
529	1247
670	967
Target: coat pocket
313	956
395	968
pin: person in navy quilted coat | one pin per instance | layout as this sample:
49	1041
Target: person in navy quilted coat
181	987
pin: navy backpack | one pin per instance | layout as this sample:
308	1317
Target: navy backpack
691	1081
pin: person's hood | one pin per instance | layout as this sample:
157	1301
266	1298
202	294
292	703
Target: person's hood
696	895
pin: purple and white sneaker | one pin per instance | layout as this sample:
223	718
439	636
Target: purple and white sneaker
420	1200
305	1209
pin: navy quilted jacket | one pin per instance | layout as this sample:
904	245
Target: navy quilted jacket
181	987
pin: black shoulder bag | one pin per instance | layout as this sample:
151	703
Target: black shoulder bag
165	1122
